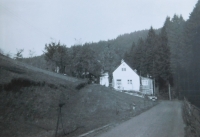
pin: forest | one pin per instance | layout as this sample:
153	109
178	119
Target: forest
170	55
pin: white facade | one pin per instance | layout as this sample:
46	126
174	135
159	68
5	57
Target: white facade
57	69
104	79
146	86
124	78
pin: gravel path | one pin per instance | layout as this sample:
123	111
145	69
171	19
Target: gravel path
163	120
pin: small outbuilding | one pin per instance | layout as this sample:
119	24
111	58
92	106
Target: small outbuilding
146	86
104	79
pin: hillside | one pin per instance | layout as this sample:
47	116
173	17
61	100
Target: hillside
38	61
121	44
117	46
30	98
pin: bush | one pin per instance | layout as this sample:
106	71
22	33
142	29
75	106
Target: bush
17	83
81	85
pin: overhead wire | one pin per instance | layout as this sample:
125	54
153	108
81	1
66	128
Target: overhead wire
28	24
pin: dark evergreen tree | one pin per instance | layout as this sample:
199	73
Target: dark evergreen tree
150	50
139	58
128	56
107	58
177	44
193	44
162	61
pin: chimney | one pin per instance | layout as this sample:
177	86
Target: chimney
122	61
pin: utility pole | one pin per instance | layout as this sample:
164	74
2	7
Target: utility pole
59	115
140	82
154	87
169	91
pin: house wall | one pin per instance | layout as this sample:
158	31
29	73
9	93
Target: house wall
147	87
129	78
104	80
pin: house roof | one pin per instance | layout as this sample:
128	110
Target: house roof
122	61
146	78
104	74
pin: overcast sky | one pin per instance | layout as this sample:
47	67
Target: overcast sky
29	24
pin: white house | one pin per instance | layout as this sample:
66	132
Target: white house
104	79
124	78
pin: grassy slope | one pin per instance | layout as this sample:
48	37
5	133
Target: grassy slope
29	103
29	100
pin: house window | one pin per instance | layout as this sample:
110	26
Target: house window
144	82
123	69
118	81
129	81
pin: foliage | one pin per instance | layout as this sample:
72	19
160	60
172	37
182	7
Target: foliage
192	35
76	61
162	62
128	56
183	38
151	57
81	85
175	34
83	61
19	55
170	54
57	55
31	53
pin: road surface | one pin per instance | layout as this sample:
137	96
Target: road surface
163	120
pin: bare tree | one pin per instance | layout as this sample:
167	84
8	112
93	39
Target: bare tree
31	53
19	55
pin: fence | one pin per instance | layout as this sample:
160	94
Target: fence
191	115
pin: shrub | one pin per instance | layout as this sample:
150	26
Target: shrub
81	85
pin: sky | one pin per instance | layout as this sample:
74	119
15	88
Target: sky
30	24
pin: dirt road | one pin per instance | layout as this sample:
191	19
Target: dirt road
163	120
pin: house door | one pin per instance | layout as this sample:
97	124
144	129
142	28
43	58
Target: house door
119	84
130	85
